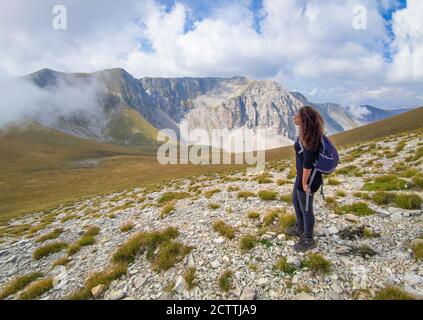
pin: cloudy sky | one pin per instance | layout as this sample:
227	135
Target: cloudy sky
307	45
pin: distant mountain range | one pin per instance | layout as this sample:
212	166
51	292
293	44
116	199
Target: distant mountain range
133	110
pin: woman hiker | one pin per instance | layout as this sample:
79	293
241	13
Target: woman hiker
311	126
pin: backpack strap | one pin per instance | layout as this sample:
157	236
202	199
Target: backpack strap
313	175
301	146
321	191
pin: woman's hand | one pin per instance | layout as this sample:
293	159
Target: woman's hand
305	188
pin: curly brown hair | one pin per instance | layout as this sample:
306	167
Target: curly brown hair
311	129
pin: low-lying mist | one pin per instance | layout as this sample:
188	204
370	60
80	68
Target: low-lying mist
21	100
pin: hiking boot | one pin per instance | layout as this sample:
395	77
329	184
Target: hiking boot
294	231
305	244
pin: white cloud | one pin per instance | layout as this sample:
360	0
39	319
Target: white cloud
305	44
407	26
22	100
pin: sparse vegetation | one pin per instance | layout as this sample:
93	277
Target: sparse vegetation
105	277
247	242
270	217
285	267
393	293
417	249
263	179
189	278
233	188
333	182
85	240
286	198
169	254
61	262
317	263
267	195
225	281
210	193
166	210
50	236
383	198
245	194
224	229
386	183
408	201
143	242
285	221
171	196
18	284
49	249
340	194
128	226
350	170
359	209
69	217
36	289
253	215
282	182
214	206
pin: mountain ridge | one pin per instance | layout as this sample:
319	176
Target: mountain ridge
238	103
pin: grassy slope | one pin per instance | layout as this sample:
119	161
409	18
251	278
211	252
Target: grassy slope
39	168
130	128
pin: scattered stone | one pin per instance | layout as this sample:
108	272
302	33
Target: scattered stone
352	218
303	296
248	294
180	285
333	230
98	291
117	295
219	240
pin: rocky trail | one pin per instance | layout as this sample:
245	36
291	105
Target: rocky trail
230	241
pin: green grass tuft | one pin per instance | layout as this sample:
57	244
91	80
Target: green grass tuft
245	194
253	215
360	209
48	249
386	183
285	267
247	242
417	249
224	229
170	196
128	226
267	195
225	281
210	193
393	293
61	262
36	289
141	242
408	201
18	283
169	254
213	206
166	210
50	236
189	278
317	263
